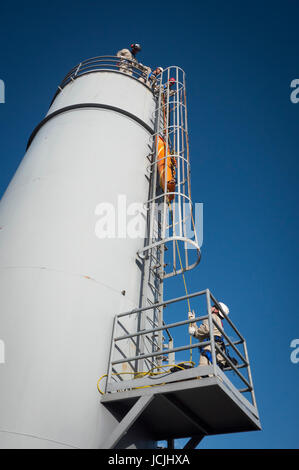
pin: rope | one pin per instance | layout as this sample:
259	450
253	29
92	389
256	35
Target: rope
149	372
184	280
170	208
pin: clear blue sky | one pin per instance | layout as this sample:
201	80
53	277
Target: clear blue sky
240	58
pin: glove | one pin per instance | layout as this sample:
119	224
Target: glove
191	330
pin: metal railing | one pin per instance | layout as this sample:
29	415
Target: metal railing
116	382
108	63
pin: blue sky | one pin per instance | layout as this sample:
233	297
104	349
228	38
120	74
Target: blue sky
240	58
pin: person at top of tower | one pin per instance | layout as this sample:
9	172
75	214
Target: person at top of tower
125	66
129	54
155	73
150	77
153	77
169	86
146	73
202	333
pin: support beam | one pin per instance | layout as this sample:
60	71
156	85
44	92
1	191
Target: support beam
127	422
193	442
201	426
170	444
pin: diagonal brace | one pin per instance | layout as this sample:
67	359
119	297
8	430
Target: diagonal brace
127	422
193	442
202	427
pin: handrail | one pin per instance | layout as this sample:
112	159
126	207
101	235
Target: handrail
160	328
162	351
230	342
106	63
162	304
216	351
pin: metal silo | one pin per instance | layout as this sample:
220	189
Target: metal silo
82	296
60	284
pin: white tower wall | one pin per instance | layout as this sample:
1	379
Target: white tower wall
60	286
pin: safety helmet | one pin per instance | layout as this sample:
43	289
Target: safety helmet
171	81
224	308
160	68
136	47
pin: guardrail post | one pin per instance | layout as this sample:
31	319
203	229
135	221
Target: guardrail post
249	374
211	330
112	345
78	68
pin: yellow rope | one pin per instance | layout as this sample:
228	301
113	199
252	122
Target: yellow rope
143	374
184	280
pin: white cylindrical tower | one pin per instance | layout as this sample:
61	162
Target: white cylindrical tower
61	285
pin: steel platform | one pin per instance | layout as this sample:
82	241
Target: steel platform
184	408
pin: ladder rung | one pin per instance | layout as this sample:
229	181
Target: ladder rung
153	304
153	287
157	266
152	321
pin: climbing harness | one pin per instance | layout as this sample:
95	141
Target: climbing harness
223	363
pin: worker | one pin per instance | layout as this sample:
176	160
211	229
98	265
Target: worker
202	333
153	76
129	58
150	77
169	85
146	73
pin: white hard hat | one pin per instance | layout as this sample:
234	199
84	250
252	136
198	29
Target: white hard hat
224	308
161	69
